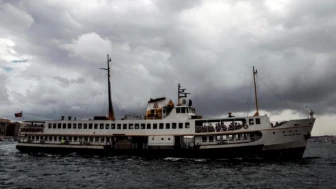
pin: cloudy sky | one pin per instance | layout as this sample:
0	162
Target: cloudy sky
51	52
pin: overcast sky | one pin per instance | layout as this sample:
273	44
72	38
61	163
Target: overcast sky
51	52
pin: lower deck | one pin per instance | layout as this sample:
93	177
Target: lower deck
144	142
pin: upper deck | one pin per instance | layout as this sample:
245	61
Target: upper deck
185	125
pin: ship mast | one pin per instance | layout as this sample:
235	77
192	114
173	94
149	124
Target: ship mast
111	113
255	92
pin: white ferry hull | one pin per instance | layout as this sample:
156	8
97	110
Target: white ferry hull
286	141
292	147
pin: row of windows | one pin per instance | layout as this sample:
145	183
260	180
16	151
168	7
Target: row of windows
251	121
70	139
185	110
118	126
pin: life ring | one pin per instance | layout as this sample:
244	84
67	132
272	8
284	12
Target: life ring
245	126
155	105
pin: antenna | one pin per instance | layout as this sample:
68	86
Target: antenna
181	94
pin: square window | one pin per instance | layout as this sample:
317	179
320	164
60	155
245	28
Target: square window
96	139
130	126
64	126
148	126
173	125
124	126
136	126
155	126
187	125
75	139
161	125
143	126
178	110
180	125
54	125
204	139
74	125
59	126
118	126
85	126
251	121
112	126
96	126
167	125
69	125
211	138
107	126
79	126
183	110
49	125
90	125
257	120
101	126
50	138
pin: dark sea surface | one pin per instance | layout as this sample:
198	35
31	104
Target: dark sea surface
17	170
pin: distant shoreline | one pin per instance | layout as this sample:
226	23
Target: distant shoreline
324	138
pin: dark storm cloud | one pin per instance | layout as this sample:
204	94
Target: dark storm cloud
207	46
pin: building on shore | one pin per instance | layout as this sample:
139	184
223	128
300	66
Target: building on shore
9	129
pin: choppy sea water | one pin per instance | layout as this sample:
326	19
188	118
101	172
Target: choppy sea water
17	170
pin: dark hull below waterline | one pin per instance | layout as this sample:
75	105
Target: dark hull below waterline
249	152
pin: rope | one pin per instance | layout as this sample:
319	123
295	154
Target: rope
118	100
260	95
249	99
95	94
104	104
38	115
274	93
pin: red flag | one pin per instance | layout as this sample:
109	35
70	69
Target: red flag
18	114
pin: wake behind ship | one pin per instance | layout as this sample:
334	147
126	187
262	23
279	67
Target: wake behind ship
170	131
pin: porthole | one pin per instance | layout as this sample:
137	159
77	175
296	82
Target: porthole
152	138
168	138
161	138
273	133
283	131
295	130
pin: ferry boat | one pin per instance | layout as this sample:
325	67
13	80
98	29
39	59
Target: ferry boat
169	130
